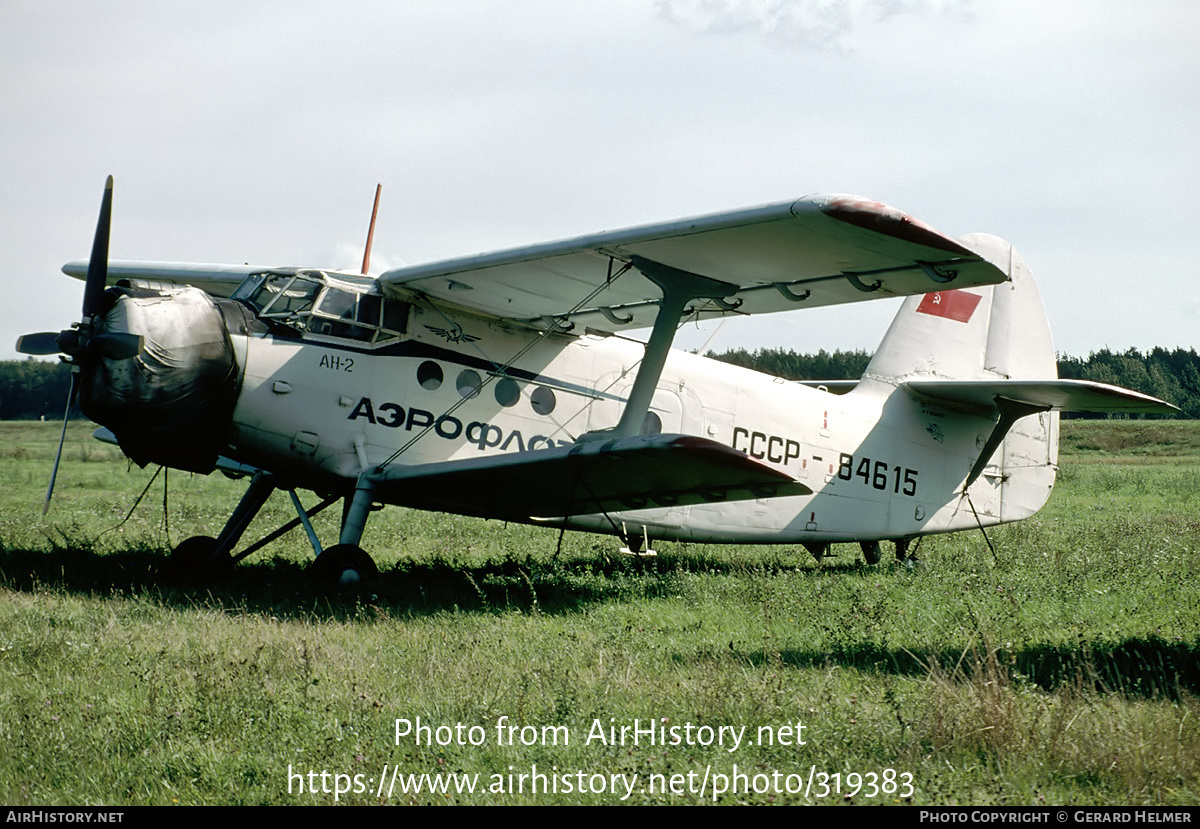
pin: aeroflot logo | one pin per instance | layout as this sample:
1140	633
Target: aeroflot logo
952	305
483	435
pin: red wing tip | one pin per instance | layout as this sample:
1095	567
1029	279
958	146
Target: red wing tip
883	218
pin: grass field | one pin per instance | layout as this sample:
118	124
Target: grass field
1059	669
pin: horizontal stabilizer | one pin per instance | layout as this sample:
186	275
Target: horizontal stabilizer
642	472
1043	395
1014	399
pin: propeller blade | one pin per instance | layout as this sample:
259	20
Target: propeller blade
61	439
43	342
116	345
97	275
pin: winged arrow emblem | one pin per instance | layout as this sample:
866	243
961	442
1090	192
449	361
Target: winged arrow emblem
453	334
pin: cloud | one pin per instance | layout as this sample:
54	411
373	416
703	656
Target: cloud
818	24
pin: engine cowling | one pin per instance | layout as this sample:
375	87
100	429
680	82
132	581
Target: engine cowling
172	402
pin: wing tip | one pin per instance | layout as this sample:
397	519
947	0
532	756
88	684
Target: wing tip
879	217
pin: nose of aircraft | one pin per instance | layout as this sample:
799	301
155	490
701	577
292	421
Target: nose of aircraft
171	402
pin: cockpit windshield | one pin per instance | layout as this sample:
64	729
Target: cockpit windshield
280	296
310	303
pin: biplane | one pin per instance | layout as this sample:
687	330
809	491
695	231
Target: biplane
507	386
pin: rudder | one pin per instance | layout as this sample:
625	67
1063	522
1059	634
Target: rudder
995	332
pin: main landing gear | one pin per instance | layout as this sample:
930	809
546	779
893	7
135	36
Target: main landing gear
872	550
343	564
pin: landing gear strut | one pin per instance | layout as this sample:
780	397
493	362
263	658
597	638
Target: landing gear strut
344	563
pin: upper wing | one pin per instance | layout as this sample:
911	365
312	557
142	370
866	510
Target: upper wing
820	250
215	280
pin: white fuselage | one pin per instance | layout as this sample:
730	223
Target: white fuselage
882	463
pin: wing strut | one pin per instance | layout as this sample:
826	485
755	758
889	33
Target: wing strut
679	288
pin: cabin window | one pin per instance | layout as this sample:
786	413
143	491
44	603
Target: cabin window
507	392
469	383
543	400
429	375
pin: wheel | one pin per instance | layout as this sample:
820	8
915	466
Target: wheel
343	565
194	558
871	551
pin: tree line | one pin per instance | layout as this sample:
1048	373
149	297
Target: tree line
31	389
1173	376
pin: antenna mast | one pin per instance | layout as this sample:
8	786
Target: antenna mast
371	231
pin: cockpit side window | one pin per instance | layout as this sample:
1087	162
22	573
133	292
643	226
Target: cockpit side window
358	316
338	304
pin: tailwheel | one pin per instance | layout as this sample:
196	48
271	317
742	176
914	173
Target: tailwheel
197	557
343	565
871	551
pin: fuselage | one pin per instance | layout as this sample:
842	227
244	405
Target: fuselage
320	402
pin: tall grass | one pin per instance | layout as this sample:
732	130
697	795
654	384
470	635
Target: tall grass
1060	669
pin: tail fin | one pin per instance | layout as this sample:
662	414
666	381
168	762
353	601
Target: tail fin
987	352
994	332
971	349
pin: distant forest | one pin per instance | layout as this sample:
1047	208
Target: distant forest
1173	376
30	389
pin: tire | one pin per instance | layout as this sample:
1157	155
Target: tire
193	559
343	565
871	551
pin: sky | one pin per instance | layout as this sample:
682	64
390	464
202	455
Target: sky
256	131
